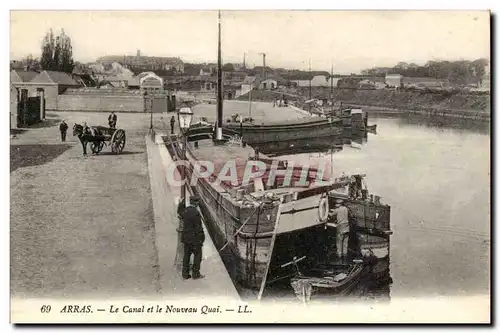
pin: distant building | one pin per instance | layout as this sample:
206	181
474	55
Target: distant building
366	84
86	80
238	66
145	62
249	83
117	76
319	81
235	76
425	82
485	82
268	84
118	70
205	72
394	80
149	81
316	81
96	68
301	83
113	82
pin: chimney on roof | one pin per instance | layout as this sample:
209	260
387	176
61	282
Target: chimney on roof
138	53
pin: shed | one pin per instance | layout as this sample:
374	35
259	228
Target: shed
49	84
394	80
268	84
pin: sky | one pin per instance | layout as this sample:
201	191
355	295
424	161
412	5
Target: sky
347	40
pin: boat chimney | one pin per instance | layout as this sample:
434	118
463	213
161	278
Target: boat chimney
218	126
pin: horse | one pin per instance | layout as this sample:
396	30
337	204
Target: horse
86	137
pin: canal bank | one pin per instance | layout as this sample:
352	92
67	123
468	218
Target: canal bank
216	283
429	113
391	102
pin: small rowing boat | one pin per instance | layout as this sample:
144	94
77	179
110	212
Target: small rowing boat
325	280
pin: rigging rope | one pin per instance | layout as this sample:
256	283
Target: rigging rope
240	228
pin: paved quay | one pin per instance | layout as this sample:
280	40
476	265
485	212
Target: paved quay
217	282
81	226
86	226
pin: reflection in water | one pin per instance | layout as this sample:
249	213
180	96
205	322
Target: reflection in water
435	175
458	124
312	145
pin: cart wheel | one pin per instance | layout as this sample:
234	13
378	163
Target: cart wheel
118	141
97	147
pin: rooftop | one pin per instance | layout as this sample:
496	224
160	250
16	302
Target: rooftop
25	76
61	78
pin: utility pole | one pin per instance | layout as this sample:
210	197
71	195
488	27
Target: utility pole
244	55
310	79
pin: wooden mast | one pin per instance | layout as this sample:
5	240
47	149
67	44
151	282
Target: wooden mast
218	126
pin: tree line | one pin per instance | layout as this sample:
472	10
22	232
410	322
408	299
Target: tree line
455	71
57	53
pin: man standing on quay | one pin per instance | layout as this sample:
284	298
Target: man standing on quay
172	124
112	120
192	238
63	127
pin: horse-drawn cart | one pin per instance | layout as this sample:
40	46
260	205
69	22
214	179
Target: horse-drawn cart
100	136
115	137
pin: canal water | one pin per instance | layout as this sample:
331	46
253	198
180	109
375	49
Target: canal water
436	177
